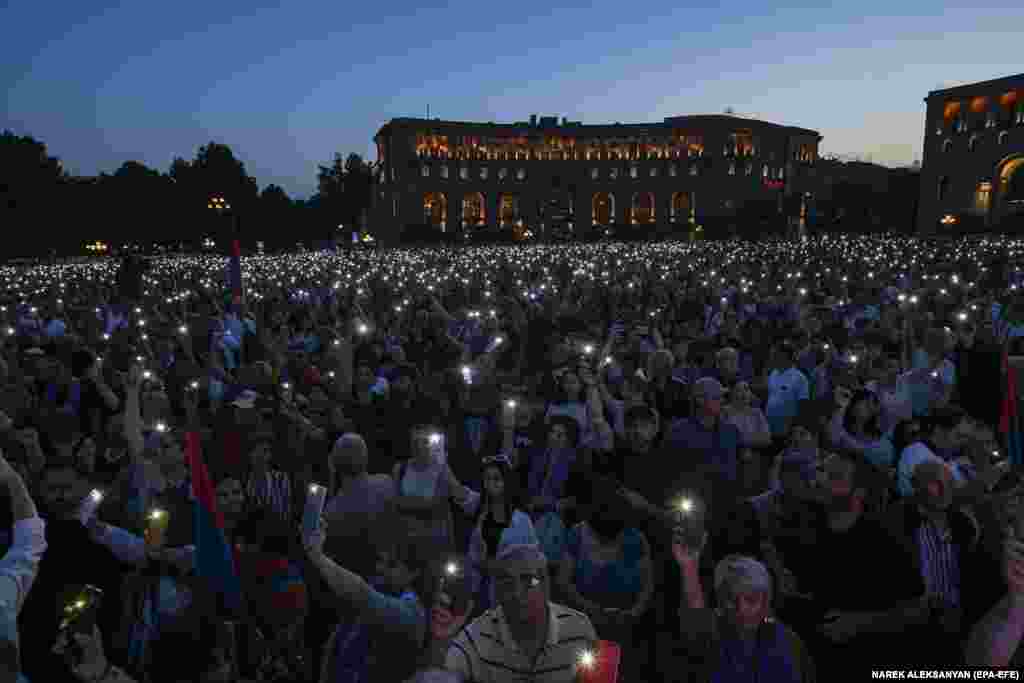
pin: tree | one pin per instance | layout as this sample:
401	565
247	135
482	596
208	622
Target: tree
345	192
31	182
215	172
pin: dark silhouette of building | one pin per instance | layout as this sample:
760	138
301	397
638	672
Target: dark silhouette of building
547	175
973	153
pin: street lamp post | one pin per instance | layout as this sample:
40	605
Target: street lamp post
220	205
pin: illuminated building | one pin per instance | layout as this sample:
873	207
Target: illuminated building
973	152
544	173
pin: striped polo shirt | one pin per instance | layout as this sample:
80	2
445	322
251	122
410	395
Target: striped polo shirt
485	651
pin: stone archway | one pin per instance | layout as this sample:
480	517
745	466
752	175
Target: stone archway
603	208
680	209
1009	188
643	208
474	211
508	210
435	210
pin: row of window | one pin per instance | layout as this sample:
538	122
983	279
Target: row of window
483	173
972	143
992	120
802	153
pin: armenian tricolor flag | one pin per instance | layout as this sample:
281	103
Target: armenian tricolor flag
1009	421
215	560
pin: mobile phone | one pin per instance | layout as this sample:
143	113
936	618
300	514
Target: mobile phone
315	501
600	664
688	521
455	593
80	610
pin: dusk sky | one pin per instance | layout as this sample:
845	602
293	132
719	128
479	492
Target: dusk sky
287	85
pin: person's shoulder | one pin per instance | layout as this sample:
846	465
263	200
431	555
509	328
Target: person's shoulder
572	624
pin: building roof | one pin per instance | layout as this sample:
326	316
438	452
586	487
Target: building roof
1010	81
606	127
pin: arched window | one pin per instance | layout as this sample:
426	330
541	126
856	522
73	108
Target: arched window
750	168
673	170
947	145
943	187
972	144
732	168
1003	137
444	171
764	171
463	173
483	173
694	170
425	170
634	172
614	173
654	172
521	174
595	173
502	174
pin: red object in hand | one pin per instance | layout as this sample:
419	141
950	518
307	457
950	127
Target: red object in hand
600	665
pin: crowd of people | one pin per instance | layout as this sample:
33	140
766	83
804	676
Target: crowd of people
726	461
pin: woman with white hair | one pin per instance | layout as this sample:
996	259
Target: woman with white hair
739	640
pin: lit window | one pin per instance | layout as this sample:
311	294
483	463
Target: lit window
595	173
634	172
614	173
673	171
764	171
654	171
947	145
425	171
444	171
483	173
502	173
732	168
521	174
782	173
464	173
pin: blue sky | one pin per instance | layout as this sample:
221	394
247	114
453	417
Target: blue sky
287	85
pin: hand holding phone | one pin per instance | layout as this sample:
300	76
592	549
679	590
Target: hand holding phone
599	664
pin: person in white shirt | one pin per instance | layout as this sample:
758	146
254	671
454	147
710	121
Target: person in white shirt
946	433
18	568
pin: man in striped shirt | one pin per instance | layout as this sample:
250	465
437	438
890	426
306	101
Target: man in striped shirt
944	539
526	637
267	487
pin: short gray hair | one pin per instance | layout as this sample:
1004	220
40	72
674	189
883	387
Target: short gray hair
740	573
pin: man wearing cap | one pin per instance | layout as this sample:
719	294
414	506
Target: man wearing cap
18	568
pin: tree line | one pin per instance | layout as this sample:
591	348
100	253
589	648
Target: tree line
44	209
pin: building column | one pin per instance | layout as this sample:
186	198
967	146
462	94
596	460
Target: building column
493	206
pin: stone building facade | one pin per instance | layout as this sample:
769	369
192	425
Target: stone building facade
537	174
973	154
